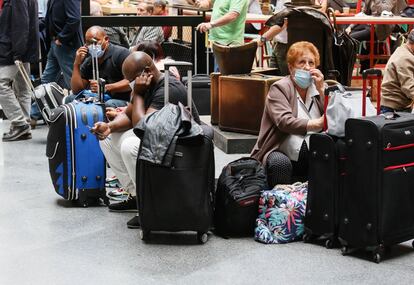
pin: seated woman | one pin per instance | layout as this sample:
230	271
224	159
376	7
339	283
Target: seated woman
293	110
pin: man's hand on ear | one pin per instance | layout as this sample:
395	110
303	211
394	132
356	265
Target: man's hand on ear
142	83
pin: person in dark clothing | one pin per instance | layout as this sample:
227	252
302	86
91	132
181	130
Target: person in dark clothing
18	41
118	143
63	31
110	63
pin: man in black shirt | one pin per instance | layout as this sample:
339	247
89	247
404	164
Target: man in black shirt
118	143
110	60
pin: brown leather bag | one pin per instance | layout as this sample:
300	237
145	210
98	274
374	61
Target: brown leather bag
241	101
235	59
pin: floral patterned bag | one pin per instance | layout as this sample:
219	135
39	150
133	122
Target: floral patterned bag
281	214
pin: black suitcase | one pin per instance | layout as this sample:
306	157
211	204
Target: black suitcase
178	198
376	206
326	179
326	174
201	93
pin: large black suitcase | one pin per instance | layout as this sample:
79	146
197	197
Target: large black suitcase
326	175
376	207
179	197
326	178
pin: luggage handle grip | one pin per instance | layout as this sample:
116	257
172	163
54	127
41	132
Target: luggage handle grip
365	74
371	71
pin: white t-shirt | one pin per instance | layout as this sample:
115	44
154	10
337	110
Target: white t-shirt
306	110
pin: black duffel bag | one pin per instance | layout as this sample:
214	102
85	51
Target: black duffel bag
237	197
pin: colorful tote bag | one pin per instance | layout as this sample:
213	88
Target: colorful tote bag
281	214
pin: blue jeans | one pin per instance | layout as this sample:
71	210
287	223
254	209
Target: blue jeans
59	59
385	109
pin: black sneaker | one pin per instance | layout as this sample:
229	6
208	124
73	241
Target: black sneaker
129	205
134	223
16	133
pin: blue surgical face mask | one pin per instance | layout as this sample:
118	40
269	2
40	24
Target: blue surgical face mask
303	78
96	50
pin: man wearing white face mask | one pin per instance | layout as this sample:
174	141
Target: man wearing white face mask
110	60
293	110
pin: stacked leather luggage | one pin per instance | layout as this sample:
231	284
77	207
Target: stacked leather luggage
237	93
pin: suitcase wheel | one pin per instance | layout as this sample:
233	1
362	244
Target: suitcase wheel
376	257
329	243
378	253
344	250
202	238
307	238
144	234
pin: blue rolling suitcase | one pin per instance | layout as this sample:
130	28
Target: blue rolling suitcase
76	162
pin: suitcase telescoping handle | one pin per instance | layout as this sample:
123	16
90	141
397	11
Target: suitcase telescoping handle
24	74
167	66
365	74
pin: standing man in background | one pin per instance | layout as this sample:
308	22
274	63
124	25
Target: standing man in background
63	32
227	20
18	41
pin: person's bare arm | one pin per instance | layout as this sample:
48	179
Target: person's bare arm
224	20
204	4
77	83
118	87
122	122
272	32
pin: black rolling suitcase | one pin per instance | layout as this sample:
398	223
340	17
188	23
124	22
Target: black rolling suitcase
377	203
201	93
179	197
326	180
326	174
47	96
376	206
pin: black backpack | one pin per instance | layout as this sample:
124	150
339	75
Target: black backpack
237	197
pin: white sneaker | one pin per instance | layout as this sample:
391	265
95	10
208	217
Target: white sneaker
118	194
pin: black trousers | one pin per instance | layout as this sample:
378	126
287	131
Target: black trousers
281	170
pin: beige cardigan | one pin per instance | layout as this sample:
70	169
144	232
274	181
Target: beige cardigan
398	83
280	118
